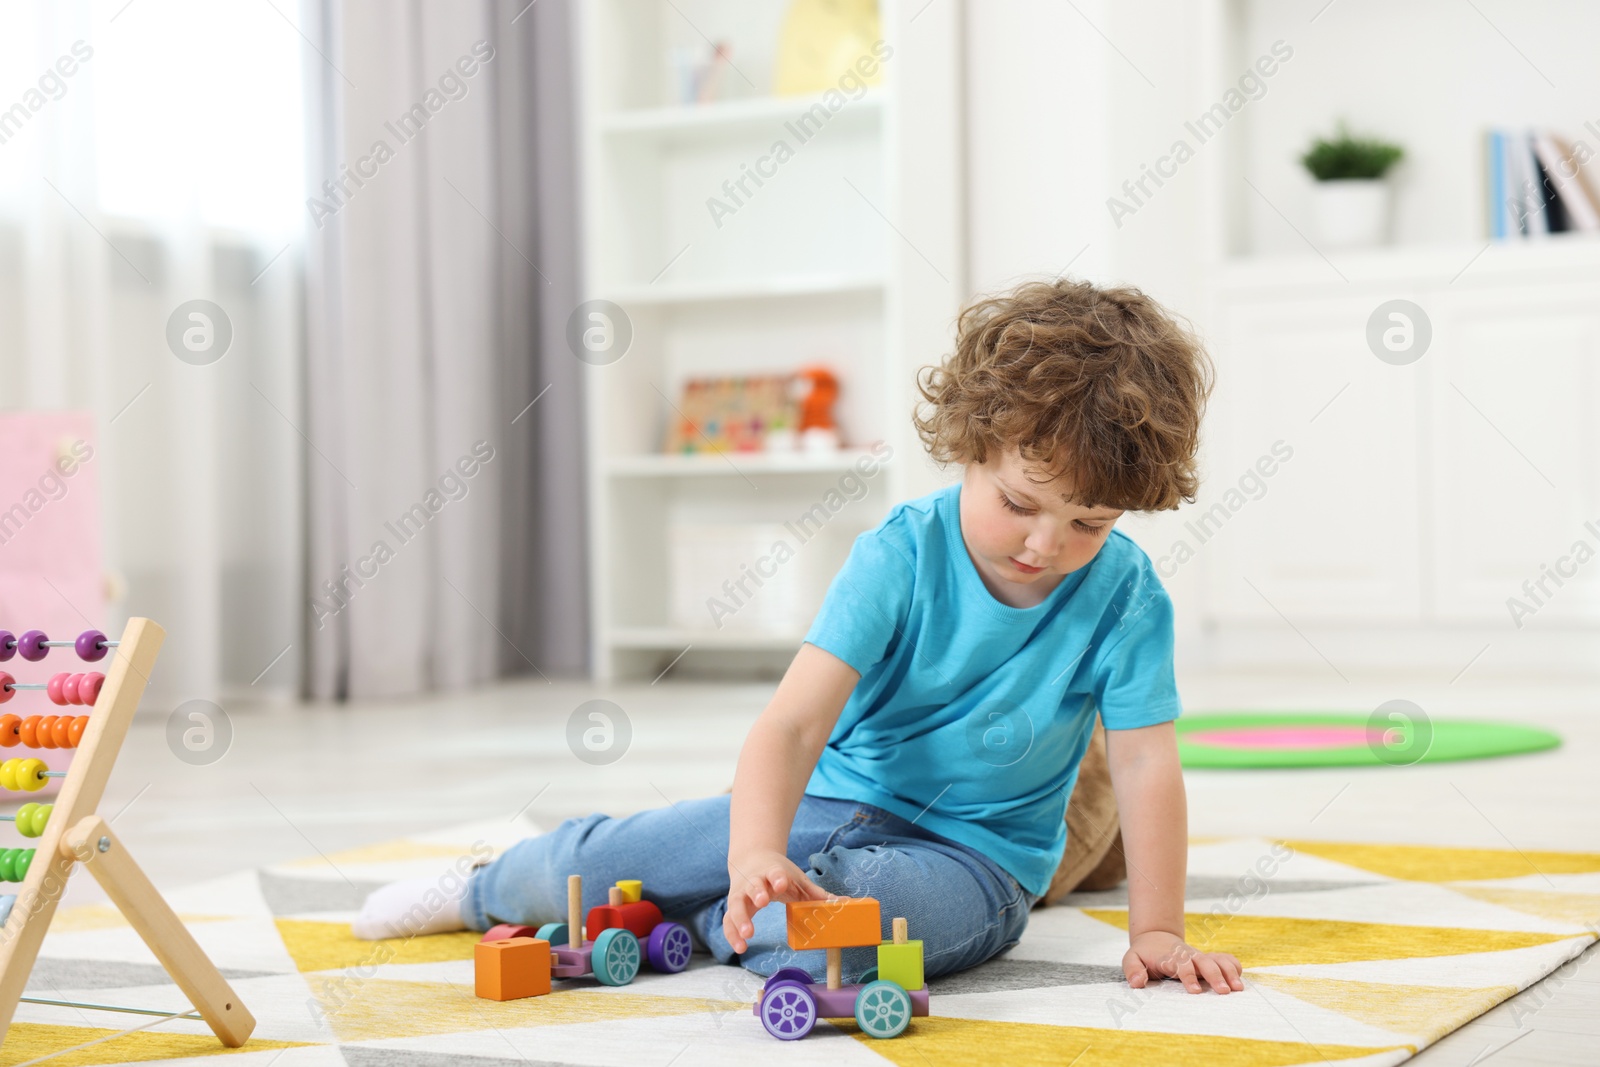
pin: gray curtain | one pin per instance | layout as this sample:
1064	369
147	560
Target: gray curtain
444	515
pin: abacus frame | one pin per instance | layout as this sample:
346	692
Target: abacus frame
76	834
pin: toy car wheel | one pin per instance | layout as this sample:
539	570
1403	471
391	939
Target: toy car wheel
883	1009
616	957
555	933
788	1010
668	948
868	976
787	974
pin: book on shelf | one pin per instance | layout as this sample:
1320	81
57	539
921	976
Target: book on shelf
1536	186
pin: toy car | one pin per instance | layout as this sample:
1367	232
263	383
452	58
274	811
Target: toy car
883	1004
613	952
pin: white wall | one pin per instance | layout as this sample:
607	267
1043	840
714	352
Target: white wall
1057	119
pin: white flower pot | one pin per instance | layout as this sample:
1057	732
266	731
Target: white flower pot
1351	212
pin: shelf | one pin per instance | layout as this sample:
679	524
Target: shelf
764	116
1445	262
667	293
674	638
736	463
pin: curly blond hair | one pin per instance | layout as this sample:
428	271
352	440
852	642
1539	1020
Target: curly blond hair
1102	386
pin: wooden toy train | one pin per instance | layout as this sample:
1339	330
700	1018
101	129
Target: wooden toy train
883	1003
512	962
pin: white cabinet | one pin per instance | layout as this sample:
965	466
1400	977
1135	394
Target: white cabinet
1332	531
1424	493
1513	446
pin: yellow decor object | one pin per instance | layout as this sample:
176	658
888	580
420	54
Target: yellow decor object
822	40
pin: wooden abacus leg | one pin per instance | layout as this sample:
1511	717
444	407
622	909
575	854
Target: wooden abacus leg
91	842
835	968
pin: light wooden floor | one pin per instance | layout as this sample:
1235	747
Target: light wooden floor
321	778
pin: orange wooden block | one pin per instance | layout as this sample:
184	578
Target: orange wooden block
511	969
845	922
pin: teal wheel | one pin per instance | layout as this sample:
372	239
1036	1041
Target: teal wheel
868	976
883	1009
616	957
555	933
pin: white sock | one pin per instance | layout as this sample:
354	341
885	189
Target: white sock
410	908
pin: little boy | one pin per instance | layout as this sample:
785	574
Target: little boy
923	744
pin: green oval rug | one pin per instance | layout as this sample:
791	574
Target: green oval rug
1398	734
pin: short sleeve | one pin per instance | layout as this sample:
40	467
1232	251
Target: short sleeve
867	604
1134	683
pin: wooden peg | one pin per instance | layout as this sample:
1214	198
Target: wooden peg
899	931
614	897
574	911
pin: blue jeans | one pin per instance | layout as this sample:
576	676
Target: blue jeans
963	907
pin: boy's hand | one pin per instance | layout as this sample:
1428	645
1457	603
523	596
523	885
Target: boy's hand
1169	956
757	879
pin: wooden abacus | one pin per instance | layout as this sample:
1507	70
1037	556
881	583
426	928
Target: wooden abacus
70	832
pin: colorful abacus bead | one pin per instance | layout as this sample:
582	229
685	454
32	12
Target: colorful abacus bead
91	646
89	687
56	688
23	775
31	646
8	645
31	819
7	686
75	730
44	731
14	864
10	731
30	732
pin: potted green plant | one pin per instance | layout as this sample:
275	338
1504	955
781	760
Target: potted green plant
1350	201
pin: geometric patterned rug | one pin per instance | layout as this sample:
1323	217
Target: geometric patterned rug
1353	954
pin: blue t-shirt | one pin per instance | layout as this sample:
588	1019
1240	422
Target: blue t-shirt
971	716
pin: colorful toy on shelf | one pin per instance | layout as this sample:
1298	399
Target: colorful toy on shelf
71	833
510	958
816	388
883	1004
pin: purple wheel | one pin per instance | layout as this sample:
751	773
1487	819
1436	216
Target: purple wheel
787	974
668	948
90	646
31	647
8	645
788	1011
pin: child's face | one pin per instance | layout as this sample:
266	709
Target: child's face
1025	532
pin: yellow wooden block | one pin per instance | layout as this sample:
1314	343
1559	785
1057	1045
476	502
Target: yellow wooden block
901	963
632	890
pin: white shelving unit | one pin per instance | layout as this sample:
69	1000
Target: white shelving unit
848	253
1382	539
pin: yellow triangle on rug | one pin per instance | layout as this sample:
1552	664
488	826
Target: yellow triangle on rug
377	1008
936	1042
27	1041
1273	941
321	946
1391	1006
1420	863
1582	909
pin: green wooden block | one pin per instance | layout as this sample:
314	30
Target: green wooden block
901	964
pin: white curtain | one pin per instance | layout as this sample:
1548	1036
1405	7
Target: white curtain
436	308
150	155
